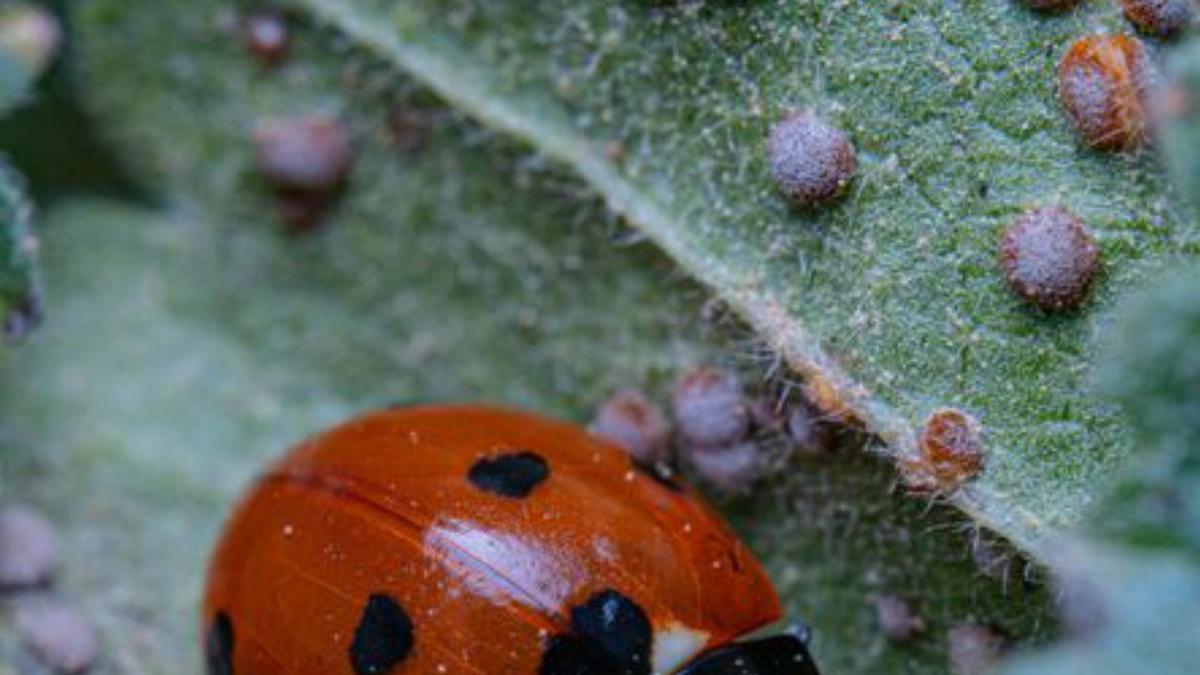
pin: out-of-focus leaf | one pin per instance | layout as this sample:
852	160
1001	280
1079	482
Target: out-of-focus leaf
1135	581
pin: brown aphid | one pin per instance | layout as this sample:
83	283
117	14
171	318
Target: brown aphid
306	160
811	160
974	649
629	419
1159	17
710	408
1106	83
59	636
265	34
897	618
1049	258
731	468
950	453
28	548
309	152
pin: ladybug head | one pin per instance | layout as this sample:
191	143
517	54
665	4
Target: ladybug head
785	654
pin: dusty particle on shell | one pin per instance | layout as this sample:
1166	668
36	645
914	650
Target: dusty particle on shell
974	649
309	152
631	420
897	618
1159	17
732	468
58	635
710	407
265	34
811	160
1049	258
950	452
1106	86
28	548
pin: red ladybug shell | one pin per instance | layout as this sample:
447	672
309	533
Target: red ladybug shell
472	540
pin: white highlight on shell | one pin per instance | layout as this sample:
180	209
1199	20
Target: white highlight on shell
674	646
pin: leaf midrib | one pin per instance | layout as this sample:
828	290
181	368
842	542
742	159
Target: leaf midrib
464	86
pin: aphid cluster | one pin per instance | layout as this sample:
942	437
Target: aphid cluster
716	431
54	631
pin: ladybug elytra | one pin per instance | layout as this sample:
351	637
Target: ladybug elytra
455	539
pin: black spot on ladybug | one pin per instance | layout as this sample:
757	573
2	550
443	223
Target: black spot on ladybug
514	475
619	627
383	638
777	655
573	655
218	646
611	634
659	472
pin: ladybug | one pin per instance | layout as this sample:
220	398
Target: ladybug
457	539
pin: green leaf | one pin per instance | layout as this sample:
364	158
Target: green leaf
892	299
1137	576
1181	134
190	347
184	356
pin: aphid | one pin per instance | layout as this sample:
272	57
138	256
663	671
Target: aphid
309	152
732	468
1106	83
633	422
974	649
28	548
897	619
710	408
1049	258
59	635
1159	17
265	34
811	160
950	452
306	160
